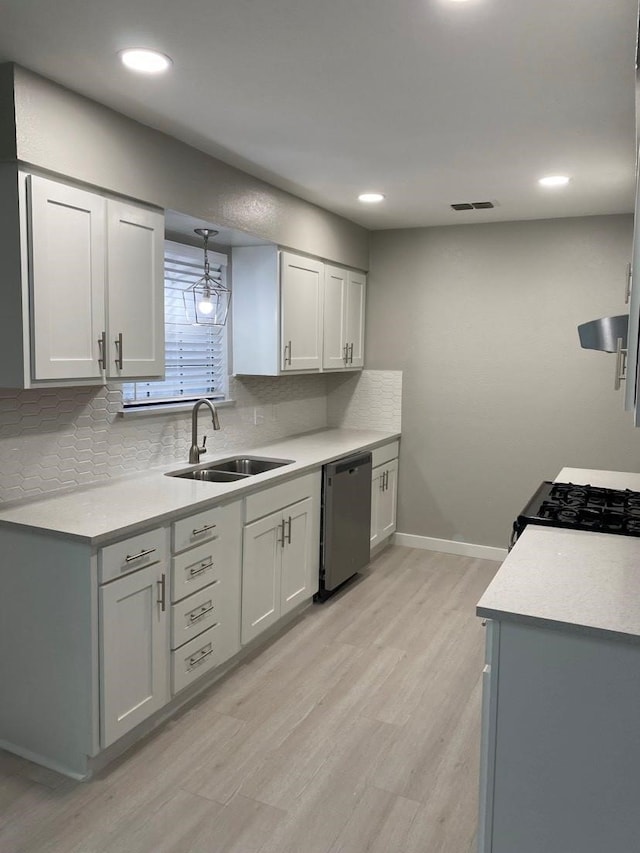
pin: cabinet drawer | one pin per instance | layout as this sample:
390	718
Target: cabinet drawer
274	498
195	614
195	658
385	453
196	568
131	554
197	528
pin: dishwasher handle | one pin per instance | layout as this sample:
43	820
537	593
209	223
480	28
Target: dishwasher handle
352	464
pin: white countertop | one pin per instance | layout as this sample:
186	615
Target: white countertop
569	579
602	479
120	507
572	579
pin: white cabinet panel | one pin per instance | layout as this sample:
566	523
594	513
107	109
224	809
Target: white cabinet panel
343	321
67	258
335	354
262	545
195	614
135	291
134	680
194	659
301	282
384	500
128	555
354	320
296	556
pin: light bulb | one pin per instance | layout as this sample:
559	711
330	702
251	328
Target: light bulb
205	306
146	61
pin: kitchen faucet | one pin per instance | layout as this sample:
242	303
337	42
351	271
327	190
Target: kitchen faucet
195	451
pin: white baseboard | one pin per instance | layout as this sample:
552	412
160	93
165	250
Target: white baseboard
450	546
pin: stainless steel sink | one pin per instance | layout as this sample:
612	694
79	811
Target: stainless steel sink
231	470
248	465
209	475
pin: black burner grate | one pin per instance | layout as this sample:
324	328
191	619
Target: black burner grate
582	508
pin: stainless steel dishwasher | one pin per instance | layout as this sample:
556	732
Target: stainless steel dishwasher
346	521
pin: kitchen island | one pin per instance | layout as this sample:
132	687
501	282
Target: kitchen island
561	691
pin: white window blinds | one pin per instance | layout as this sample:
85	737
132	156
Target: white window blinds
195	356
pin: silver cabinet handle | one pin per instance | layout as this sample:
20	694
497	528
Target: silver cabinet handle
382	482
289	530
287	353
628	284
351	353
199	530
102	351
345	356
119	351
201	612
144	553
204	565
282	534
162	601
201	655
621	364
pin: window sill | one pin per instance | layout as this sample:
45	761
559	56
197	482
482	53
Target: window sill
167	409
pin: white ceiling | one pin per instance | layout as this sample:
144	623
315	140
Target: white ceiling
429	101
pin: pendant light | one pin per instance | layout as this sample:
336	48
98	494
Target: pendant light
206	302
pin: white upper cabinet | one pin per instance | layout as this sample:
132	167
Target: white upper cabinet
68	239
84	286
344	295
135	293
301	281
293	314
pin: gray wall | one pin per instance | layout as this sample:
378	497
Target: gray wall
497	394
68	134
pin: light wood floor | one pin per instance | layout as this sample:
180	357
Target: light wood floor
357	730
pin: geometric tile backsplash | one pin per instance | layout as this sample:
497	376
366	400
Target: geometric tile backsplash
61	437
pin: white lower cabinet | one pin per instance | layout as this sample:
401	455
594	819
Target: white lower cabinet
384	493
280	553
205	592
134	624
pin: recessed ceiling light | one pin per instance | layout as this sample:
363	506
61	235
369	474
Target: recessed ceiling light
147	61
370	198
554	181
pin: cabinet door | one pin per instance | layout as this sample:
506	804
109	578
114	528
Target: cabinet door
261	564
67	265
134	648
301	315
295	585
376	488
334	330
135	292
354	299
387	500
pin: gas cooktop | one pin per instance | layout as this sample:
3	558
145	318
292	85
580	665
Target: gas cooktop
581	508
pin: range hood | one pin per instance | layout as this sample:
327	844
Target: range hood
604	334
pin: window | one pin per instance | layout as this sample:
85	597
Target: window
195	356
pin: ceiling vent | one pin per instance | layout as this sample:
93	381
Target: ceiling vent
473	205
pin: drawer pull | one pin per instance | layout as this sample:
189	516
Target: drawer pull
198	531
200	656
201	612
144	553
194	571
